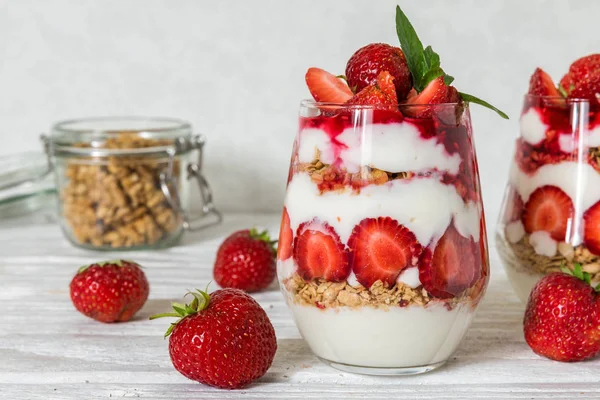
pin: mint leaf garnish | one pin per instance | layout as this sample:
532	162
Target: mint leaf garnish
411	47
448	80
424	63
472	99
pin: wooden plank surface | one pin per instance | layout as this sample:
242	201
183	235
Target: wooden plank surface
48	350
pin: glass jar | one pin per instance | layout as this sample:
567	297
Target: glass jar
123	182
550	216
382	253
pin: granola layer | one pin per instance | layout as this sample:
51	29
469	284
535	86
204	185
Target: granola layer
325	294
566	256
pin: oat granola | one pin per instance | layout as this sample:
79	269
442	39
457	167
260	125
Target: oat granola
118	203
332	177
567	256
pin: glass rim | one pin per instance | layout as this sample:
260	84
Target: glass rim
317	104
65	134
555	98
163	125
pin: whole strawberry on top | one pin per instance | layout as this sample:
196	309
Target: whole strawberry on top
246	261
110	291
412	71
224	339
562	317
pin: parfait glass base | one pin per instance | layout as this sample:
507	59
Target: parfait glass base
383	371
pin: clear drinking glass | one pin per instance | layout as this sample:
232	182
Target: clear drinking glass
551	209
382	254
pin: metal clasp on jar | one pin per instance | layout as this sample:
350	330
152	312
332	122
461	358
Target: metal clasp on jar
209	213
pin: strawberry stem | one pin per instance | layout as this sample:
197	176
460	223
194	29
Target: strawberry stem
263	236
580	274
118	263
200	301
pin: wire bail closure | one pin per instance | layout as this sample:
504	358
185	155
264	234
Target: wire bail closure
194	170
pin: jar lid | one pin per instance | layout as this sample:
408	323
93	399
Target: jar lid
25	184
120	136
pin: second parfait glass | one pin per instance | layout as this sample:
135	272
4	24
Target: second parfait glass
550	218
383	250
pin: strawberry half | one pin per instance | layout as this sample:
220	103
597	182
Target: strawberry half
319	253
326	87
382	91
548	209
456	265
541	84
284	247
591	235
436	92
381	248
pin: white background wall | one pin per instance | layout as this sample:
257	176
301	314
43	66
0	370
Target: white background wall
235	69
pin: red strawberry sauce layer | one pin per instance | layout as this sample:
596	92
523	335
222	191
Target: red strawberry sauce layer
454	136
556	114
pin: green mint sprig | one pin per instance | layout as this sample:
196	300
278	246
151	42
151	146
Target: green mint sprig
424	63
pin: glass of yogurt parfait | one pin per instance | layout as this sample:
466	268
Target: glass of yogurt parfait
382	254
550	218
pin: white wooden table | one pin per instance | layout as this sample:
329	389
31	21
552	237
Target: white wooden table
48	350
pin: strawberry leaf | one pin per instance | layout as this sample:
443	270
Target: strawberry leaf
424	63
472	99
448	79
412	48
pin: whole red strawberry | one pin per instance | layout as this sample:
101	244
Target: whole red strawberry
246	260
110	291
224	339
562	317
368	62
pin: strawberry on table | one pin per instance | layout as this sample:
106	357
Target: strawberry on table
454	266
224	339
380	249
548	209
368	62
319	253
562	317
541	84
286	236
110	291
246	261
326	87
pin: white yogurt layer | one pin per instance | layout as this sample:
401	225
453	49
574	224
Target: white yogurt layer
395	338
580	181
533	129
423	205
410	277
569	143
381	146
543	243
515	231
285	269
